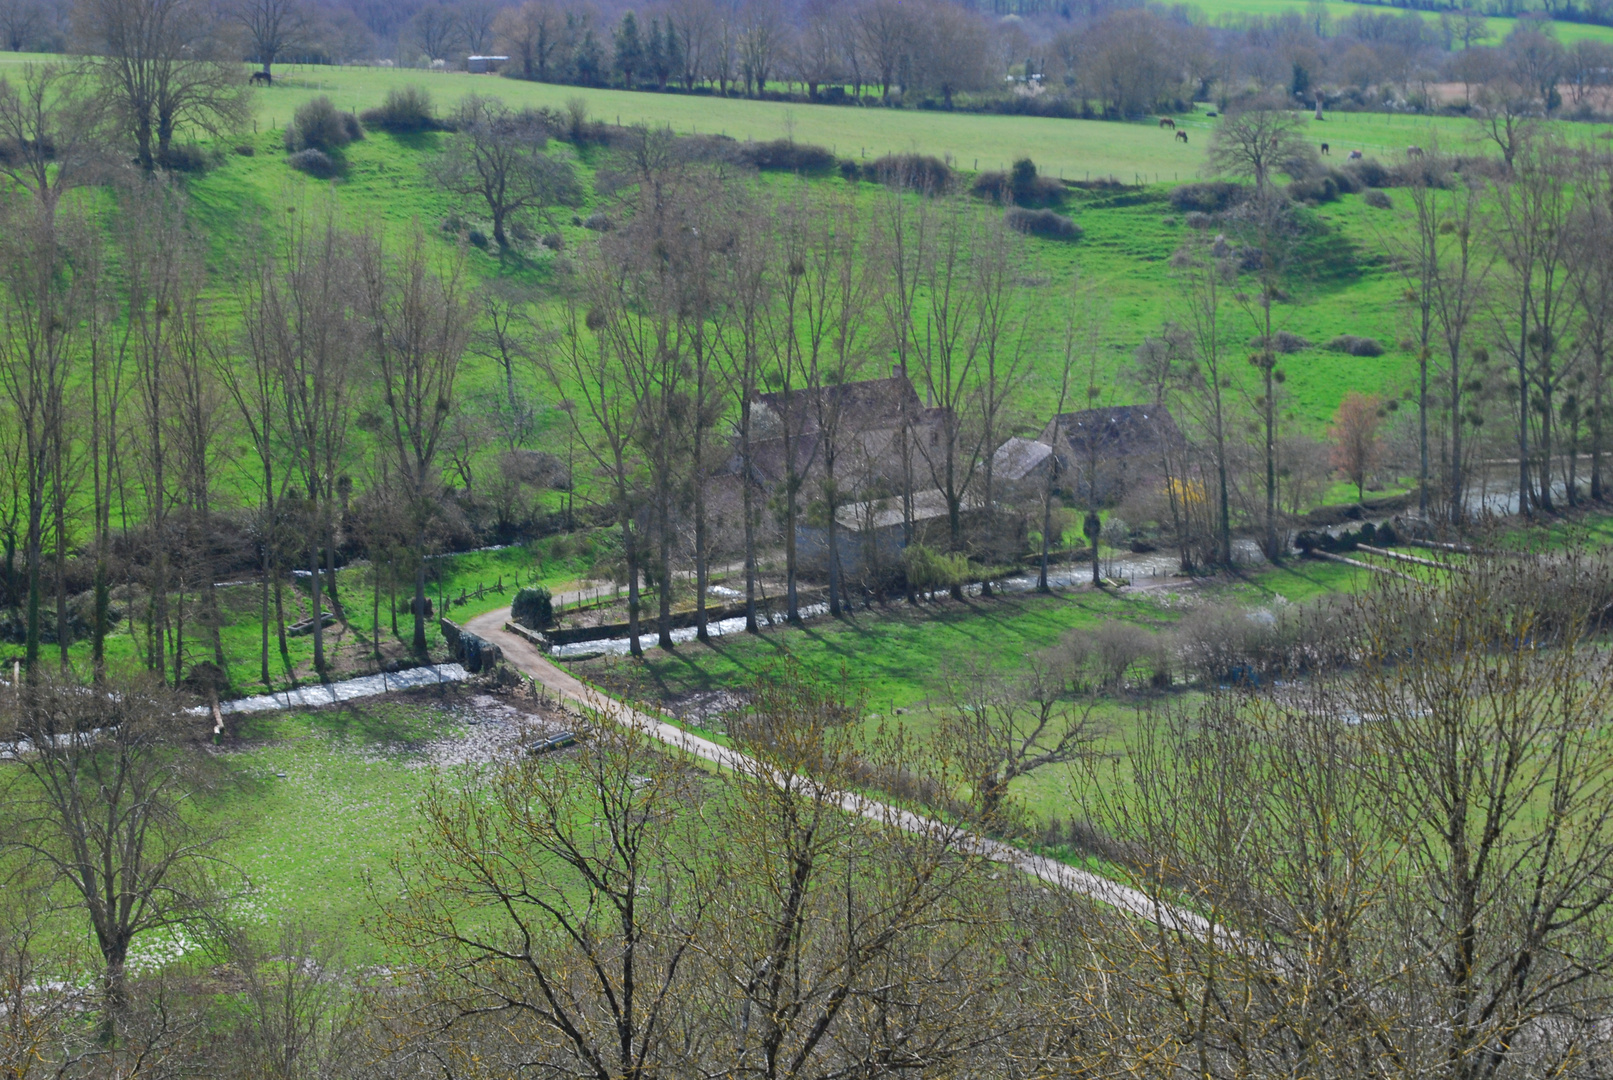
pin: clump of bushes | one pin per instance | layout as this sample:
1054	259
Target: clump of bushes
928	570
577	127
1115	657
1316	189
1323	186
533	608
315	163
405	109
1370	172
1021	185
1210	197
1230	646
319	125
245	150
920	172
1355	346
1197	219
1043	223
1283	341
598	221
187	159
786	155
1378	199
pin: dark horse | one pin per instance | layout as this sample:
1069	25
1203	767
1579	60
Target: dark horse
1182	135
261	77
1326	149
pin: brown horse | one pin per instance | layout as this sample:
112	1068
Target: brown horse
1414	151
1181	136
1327	149
1167	122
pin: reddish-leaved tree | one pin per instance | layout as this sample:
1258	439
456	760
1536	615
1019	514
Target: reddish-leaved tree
1354	432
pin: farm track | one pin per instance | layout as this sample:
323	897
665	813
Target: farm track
526	658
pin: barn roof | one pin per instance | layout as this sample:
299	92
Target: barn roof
1116	431
865	404
1018	458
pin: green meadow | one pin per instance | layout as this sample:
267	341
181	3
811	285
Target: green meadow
1229	12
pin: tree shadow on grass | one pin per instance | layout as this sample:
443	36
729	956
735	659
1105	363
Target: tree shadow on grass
417	140
659	667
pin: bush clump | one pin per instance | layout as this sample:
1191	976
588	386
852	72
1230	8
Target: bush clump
533	608
319	125
928	570
1316	189
786	155
1370	172
245	150
1231	646
1283	341
599	221
920	172
1021	185
1378	199
405	109
315	163
1210	197
186	159
1043	223
1355	346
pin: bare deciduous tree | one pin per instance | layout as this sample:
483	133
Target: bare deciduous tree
1000	726
101	797
51	123
165	70
498	158
273	28
533	33
1258	141
417	321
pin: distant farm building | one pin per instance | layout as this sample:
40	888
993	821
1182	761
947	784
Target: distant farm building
1106	452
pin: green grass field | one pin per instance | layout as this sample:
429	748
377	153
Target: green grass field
1229	11
1074	149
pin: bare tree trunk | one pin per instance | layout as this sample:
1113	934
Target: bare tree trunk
314	585
280	624
1598	377
663	528
418	644
702	571
263	615
630	551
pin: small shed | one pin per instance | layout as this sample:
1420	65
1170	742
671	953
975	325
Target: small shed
1022	464
484	65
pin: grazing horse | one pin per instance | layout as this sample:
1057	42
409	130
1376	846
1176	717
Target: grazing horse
1355	155
1167	122
261	77
1326	149
1182	135
1414	151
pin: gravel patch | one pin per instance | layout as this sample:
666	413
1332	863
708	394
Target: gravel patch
493	730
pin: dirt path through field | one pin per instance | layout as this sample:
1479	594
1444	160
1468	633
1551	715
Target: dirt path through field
525	657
